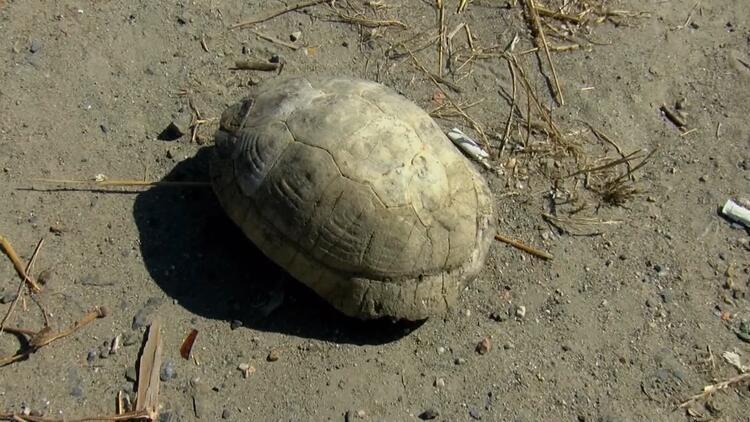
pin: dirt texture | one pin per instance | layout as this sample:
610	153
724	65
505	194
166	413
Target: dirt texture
647	290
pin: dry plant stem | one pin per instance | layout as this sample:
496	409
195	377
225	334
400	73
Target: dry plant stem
8	249
673	117
561	16
471	121
506	135
122	417
690	15
688	132
540	33
373	23
275	40
96	313
126	183
523	247
279	12
29	266
44	336
445	82
462	5
607	165
607	139
710	389
554	130
441	31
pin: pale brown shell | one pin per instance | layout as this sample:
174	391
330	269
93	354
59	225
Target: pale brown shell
356	192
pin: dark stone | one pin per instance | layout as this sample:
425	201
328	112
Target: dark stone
429	414
35	46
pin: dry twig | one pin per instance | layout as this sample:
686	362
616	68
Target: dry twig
18	265
275	40
279	12
29	267
126	183
539	32
713	388
45	336
515	243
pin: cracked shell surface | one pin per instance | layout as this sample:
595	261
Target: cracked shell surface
356	192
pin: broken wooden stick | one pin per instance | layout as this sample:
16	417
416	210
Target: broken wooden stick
523	247
45	336
147	399
29	266
18	265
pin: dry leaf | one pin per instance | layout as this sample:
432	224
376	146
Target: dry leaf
187	344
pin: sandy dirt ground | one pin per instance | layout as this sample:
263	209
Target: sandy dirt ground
647	291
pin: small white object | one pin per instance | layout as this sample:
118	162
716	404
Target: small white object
100	178
733	359
521	311
115	345
469	146
736	212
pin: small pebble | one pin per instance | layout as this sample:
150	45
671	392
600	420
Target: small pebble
143	316
703	178
246	369
46	276
498	316
90	356
178	127
361	413
235	324
77	391
35	46
167	371
429	414
226	414
474	413
130	374
459	361
275	58
104	128
8	297
441	350
521	311
666	296
128	340
296	35
484	346
439	383
273	356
